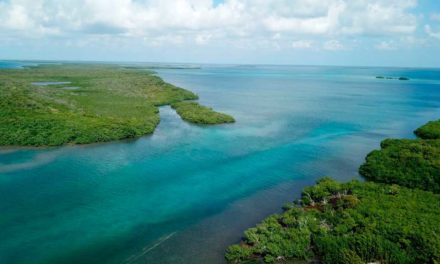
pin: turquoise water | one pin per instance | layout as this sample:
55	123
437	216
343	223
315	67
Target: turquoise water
184	193
9	65
15	64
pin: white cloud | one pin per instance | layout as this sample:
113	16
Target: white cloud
305	16
314	24
333	45
380	17
431	33
200	21
302	44
412	41
386	45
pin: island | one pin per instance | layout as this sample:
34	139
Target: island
392	78
52	105
392	218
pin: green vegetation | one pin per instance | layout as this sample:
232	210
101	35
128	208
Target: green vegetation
429	131
168	67
412	163
348	223
96	103
391	78
358	222
199	114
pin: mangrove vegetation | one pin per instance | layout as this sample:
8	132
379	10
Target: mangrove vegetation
51	105
411	163
393	220
431	130
199	114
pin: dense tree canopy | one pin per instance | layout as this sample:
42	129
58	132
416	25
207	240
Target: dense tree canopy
348	223
199	114
429	131
412	163
393	221
79	104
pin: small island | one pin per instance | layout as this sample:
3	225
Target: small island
392	78
199	114
394	218
52	105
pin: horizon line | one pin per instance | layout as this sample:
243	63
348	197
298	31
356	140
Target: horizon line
214	63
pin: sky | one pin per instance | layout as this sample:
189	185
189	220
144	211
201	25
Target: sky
300	32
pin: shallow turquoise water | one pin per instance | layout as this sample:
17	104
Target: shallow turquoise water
184	193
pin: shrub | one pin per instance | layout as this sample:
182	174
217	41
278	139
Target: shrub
431	130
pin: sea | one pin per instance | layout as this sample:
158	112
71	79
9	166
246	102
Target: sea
186	192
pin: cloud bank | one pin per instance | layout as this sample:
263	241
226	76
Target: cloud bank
326	25
193	18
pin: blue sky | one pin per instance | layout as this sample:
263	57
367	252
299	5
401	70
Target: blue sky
319	32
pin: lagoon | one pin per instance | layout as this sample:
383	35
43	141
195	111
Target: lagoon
184	193
49	83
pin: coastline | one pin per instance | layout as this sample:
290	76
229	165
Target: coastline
315	227
80	116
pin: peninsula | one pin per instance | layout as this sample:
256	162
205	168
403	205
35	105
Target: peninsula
50	105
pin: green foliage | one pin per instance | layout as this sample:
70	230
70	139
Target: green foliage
348	256
358	222
429	131
106	103
199	114
239	254
272	239
411	163
389	224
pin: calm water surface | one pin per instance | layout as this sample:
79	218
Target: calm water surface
184	193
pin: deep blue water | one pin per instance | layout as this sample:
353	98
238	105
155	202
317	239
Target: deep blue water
184	193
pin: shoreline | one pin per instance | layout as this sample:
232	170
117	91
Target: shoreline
87	114
271	241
